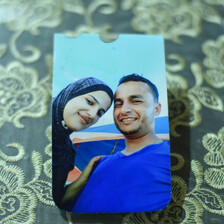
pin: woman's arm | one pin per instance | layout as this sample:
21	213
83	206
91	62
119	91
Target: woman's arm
76	186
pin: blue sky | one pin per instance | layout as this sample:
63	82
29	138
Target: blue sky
87	55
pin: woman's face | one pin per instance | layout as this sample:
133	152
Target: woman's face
84	110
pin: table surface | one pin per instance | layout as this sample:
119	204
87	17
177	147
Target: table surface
194	43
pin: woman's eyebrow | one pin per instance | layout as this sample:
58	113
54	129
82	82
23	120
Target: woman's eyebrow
94	99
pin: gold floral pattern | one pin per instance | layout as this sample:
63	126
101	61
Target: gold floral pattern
184	108
215	2
215	158
207	198
168	18
20	16
184	103
136	218
3	49
205	95
14	158
105	7
16	201
207	12
180	161
214	63
194	89
31	16
20	94
172	18
48	151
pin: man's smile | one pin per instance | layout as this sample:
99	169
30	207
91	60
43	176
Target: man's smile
128	120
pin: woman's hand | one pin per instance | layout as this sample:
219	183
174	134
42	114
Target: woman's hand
76	186
86	172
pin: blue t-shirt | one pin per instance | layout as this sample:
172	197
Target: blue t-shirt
138	182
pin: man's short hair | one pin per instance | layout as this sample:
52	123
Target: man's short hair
138	78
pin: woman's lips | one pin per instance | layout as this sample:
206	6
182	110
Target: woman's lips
84	119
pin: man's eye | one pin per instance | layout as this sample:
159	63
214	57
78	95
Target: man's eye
117	105
100	114
137	101
89	102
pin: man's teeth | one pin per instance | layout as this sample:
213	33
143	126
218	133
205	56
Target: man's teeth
128	119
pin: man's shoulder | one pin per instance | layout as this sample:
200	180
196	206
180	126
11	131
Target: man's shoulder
162	147
162	144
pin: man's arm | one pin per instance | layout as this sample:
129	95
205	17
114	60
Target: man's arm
76	186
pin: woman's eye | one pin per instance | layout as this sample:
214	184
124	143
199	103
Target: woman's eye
89	102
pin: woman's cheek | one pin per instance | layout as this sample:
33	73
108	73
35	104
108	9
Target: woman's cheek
95	120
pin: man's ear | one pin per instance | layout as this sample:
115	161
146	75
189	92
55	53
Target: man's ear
157	109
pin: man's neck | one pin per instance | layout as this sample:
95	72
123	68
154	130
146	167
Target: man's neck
136	144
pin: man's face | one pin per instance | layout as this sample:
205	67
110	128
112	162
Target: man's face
135	109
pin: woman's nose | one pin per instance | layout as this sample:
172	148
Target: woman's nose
92	112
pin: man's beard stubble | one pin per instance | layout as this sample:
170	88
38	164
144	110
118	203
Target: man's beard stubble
130	132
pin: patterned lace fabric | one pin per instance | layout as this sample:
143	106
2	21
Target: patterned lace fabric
194	45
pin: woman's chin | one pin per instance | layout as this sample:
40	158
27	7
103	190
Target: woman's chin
78	126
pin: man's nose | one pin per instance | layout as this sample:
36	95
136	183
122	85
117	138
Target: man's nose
126	108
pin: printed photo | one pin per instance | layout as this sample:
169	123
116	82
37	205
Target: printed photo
110	126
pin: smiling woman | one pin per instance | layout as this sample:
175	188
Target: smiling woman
75	108
85	110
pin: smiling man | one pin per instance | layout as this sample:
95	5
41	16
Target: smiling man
135	107
136	179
